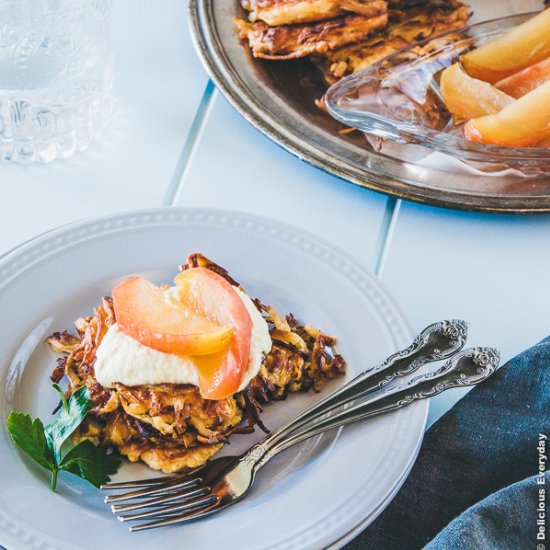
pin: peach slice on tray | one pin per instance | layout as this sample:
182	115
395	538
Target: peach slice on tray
208	294
524	123
515	50
524	81
468	97
144	312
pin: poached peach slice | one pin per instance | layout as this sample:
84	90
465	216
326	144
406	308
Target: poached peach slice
523	82
144	312
208	294
468	97
515	50
524	123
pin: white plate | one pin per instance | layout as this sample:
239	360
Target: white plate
312	496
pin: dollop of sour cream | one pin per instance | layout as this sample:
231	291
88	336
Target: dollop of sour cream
120	358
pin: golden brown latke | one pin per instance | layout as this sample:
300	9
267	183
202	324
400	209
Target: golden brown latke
289	12
170	426
405	28
294	41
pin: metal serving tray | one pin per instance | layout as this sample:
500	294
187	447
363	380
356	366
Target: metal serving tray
278	98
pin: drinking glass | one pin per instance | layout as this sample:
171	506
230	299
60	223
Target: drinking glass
56	77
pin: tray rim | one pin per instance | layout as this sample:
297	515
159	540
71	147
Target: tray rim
246	105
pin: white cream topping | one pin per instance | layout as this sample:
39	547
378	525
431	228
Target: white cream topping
122	359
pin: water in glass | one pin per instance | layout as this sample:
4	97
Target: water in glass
56	77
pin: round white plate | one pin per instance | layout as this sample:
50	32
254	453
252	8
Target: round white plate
312	496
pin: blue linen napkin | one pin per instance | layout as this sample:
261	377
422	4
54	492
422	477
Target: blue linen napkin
479	482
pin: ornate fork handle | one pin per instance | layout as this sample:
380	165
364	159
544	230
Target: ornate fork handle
436	342
467	368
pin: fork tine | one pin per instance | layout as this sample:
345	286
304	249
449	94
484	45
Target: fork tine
150	481
180	496
167	510
180	518
170	486
138	483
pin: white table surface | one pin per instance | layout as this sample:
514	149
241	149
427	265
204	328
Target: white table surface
175	141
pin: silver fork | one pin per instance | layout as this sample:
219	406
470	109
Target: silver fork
436	342
228	479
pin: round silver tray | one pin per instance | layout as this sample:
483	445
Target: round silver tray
278	98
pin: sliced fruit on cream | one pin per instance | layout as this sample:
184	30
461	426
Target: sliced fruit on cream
203	320
144	313
207	293
121	359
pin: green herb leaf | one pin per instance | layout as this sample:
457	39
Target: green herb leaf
61	396
69	418
46	446
28	435
90	463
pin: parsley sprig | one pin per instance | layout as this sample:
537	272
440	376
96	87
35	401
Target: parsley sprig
51	447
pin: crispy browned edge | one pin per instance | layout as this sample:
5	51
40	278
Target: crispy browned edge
295	41
292	12
404	29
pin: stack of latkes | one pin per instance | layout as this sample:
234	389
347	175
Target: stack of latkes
344	36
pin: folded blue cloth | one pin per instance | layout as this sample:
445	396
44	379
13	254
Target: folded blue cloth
476	483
